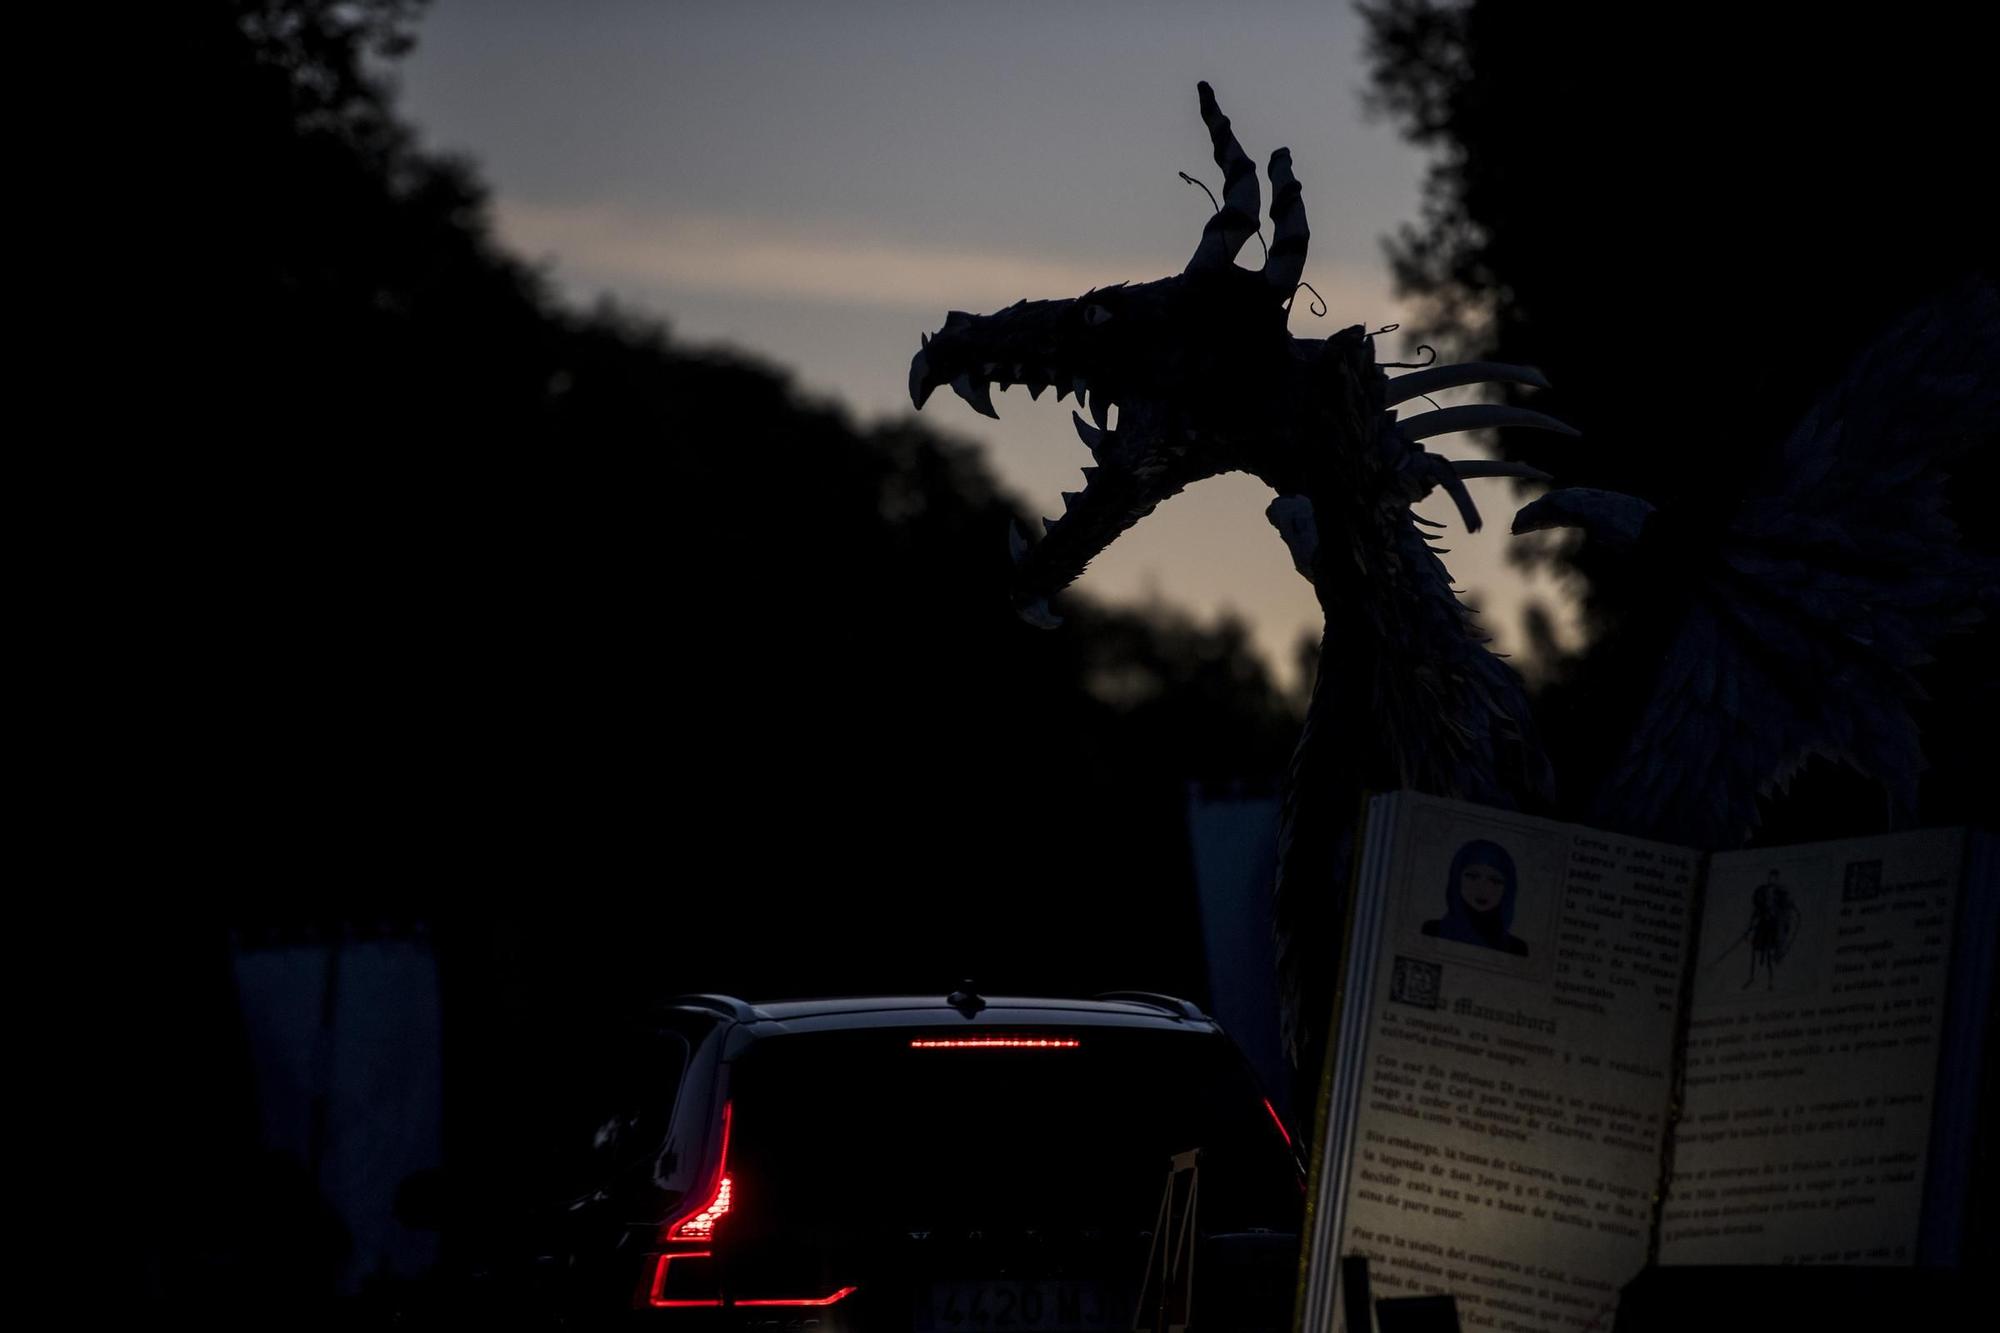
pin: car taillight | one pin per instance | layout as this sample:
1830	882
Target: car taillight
698	1225
688	1287
686	1279
1278	1120
994	1043
692	1286
1285	1134
837	1296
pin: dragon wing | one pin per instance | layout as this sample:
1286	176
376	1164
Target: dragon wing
1808	609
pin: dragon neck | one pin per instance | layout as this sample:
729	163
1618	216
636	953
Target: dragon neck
1406	695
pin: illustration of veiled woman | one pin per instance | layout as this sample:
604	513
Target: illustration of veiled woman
1479	900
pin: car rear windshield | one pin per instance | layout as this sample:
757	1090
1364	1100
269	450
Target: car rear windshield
900	1131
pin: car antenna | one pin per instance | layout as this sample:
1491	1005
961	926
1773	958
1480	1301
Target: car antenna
966	999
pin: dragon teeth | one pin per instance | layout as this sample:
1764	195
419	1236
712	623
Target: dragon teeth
1100	410
975	393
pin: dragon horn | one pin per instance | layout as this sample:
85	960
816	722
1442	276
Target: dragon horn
1468	512
1236	221
1289	233
1405	387
1477	416
1484	467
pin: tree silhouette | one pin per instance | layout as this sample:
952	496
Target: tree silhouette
629	666
496	540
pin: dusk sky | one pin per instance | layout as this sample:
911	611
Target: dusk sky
819	182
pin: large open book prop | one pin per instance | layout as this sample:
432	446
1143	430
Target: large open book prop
1561	1054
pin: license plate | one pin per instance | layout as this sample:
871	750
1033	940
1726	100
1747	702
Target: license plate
1030	1306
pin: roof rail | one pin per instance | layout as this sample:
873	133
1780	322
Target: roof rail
740	1010
1179	1008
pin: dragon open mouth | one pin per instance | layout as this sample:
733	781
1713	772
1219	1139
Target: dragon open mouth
1043	344
975	384
1137	447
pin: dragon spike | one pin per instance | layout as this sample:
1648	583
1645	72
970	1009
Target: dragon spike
1462	498
1477	416
1092	437
976	393
1100	409
1289	233
1420	382
1484	467
1236	221
1610	517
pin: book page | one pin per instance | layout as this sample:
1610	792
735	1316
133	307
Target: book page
1515	1087
1812	1053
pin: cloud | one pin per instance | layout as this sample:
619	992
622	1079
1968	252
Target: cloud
606	246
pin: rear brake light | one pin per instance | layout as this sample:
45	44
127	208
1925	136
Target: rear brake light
840	1295
699	1226
659	1298
994	1043
677	1292
1278	1120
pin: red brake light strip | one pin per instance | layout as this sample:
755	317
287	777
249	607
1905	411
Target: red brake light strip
1278	1121
660	1302
699	1226
994	1043
840	1295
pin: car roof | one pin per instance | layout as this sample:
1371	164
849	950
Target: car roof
1128	1009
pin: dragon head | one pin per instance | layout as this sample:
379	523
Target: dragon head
1195	375
1180	377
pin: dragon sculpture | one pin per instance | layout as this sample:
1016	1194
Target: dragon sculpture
1204	378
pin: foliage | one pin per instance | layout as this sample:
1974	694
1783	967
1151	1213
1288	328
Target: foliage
625	664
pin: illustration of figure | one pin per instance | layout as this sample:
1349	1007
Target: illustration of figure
1774	919
1479	900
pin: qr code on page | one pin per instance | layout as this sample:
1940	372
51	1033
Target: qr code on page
1415	982
1862	882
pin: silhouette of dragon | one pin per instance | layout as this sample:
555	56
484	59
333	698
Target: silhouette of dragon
1205	379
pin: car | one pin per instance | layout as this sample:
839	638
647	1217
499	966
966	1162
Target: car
954	1164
